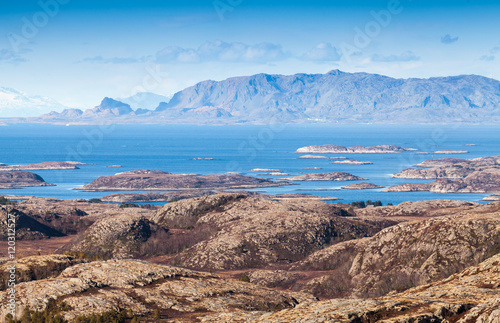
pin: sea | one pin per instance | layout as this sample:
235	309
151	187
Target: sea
239	148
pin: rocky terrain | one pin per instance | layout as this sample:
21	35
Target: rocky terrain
361	186
147	290
468	296
336	149
272	256
478	175
39	166
335	176
21	179
147	180
36	267
408	254
242	235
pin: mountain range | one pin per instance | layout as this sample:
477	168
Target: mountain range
334	97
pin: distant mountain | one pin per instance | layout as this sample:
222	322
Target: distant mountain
334	97
14	103
339	97
145	101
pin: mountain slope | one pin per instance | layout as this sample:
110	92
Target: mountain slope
340	97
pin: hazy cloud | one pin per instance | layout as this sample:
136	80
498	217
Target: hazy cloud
322	52
115	60
10	56
407	56
487	58
448	39
223	51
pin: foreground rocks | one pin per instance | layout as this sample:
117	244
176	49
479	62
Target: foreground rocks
336	149
21	179
148	290
335	176
147	180
409	254
469	296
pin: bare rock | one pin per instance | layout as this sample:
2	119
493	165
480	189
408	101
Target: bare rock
335	176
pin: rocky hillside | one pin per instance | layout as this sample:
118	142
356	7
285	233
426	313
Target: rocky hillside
137	288
26	227
469	296
408	254
252	231
119	236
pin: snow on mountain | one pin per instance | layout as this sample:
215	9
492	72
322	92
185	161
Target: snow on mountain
14	103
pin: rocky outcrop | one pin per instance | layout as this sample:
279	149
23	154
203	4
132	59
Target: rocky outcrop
468	296
478	175
146	180
43	165
336	149
335	176
253	231
147	290
409	254
26	228
417	209
361	186
119	236
482	181
21	179
262	170
36	267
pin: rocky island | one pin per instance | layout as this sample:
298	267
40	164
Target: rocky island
21	179
42	166
147	180
319	157
450	152
335	176
361	186
478	175
336	149
351	162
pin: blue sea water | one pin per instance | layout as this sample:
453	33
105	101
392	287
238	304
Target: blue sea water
237	149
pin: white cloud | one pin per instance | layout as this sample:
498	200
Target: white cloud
224	52
407	56
322	52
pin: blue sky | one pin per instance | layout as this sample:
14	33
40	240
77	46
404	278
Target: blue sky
78	51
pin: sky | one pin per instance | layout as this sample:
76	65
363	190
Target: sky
79	51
